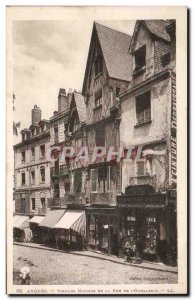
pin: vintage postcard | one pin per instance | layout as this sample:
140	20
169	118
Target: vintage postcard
96	150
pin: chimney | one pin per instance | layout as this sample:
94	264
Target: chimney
36	115
62	100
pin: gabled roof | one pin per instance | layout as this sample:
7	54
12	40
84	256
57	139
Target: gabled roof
114	45
157	28
80	106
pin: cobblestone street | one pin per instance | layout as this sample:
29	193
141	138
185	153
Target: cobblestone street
52	267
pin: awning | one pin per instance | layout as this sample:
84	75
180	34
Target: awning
21	222
52	218
36	219
15	218
73	219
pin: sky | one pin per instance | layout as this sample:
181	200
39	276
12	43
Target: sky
47	56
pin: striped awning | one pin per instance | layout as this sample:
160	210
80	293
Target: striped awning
52	218
74	220
21	222
36	219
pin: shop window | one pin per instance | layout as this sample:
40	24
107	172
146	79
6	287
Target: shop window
166	58
100	136
104	179
42	151
43	202
92	231
23	178
42	174
150	235
98	98
77	182
140	58
94	180
32	153
33	204
56	134
98	65
143	108
33	177
23	157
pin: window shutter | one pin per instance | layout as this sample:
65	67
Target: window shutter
140	169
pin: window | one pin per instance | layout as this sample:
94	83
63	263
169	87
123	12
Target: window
42	174
33	177
23	156
166	58
56	134
42	151
77	182
33	204
23	136
94	180
42	127
32	153
104	179
117	92
98	65
98	98
43	202
143	108
23	178
33	132
140	58
141	168
100	136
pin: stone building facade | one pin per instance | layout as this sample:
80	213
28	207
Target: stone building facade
32	168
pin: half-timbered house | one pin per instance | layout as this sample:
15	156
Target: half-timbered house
148	124
107	74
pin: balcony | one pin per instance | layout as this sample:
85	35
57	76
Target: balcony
101	199
143	180
42	211
57	202
76	199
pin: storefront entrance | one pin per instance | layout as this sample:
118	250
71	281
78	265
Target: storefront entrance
102	231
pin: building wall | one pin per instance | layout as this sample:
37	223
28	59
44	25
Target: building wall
155	132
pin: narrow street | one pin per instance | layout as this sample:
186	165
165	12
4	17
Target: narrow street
52	267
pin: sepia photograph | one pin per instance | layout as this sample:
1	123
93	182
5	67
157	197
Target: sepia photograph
93	170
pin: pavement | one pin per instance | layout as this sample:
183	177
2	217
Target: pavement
101	256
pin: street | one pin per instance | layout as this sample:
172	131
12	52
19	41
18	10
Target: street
50	267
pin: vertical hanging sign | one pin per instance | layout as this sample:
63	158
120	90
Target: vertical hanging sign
173	132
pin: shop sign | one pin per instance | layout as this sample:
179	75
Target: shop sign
173	141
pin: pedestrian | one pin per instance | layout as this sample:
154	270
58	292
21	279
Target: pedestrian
25	275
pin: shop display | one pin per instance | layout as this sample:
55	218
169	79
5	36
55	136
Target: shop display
150	235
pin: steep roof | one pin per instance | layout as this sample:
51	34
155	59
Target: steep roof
157	28
114	45
80	105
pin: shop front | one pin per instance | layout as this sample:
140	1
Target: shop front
142	230
102	229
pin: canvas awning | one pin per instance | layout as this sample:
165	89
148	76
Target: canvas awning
75	220
21	222
52	218
36	219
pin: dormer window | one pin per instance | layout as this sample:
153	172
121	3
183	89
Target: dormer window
23	136
98	65
140	58
42	127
